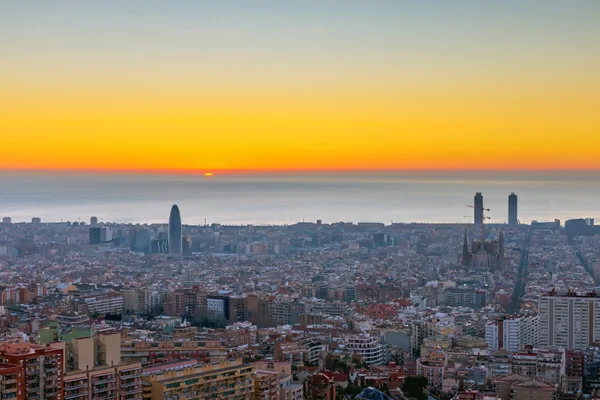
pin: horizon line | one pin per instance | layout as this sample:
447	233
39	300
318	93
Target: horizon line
241	171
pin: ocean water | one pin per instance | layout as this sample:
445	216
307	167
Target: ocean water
289	198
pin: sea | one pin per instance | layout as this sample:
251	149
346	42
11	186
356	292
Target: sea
287	198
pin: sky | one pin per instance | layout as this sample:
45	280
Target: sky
283	85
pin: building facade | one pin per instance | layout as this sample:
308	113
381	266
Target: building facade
570	321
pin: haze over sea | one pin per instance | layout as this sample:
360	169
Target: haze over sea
263	198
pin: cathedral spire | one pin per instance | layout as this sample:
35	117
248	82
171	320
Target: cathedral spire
501	251
465	251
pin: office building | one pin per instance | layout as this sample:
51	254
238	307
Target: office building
478	209
569	321
100	235
6	220
140	243
513	216
94	221
36	220
159	246
175	233
350	294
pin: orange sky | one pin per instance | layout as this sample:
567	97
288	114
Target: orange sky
317	98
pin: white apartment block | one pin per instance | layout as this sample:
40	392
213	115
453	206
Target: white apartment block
570	322
104	303
512	333
367	347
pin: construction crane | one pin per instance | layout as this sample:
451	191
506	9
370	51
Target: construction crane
483	218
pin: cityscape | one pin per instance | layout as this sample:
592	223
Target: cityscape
299	200
102	310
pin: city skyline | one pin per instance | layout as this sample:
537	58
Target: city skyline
283	86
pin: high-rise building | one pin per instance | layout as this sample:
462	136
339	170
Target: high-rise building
478	209
512	210
175	234
141	241
36	220
512	333
350	294
94	221
100	235
6	220
569	321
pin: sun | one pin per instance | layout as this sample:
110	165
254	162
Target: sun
208	174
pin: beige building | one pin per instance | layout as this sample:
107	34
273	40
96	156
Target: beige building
134	350
225	379
518	387
266	385
134	300
93	369
532	390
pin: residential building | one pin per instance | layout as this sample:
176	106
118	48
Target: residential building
367	347
432	366
512	333
104	303
43	368
225	379
570	321
12	381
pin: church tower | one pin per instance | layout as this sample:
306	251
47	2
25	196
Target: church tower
501	251
466	256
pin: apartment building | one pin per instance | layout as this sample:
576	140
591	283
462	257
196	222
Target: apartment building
43	368
220	380
570	321
433	366
367	347
12	381
512	333
94	370
266	385
132	350
104	303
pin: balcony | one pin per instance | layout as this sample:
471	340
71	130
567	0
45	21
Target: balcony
131	383
131	391
75	387
107	388
81	394
102	379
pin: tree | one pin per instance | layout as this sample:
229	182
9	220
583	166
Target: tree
413	387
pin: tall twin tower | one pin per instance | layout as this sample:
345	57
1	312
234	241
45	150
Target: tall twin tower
512	209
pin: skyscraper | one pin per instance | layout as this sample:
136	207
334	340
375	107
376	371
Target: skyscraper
175	246
512	209
478	205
